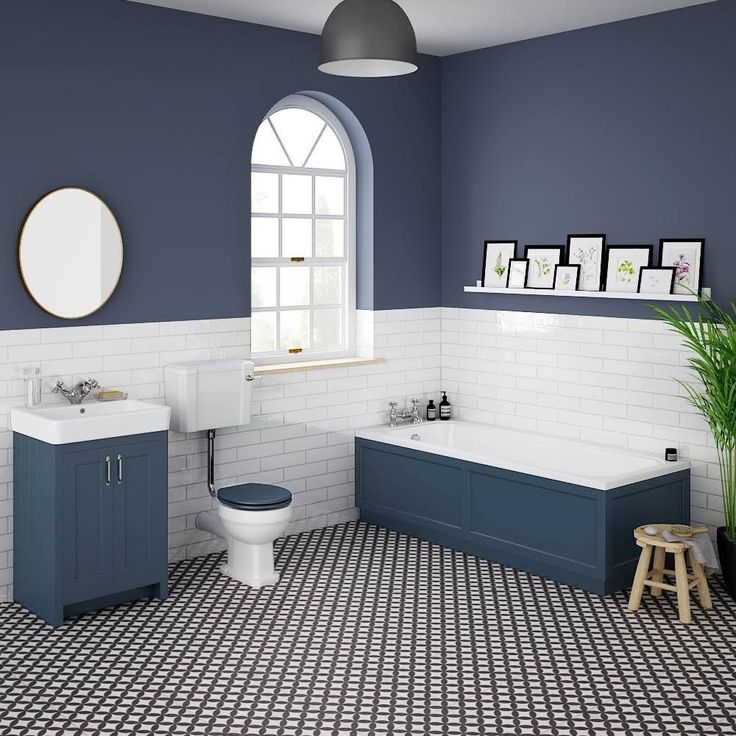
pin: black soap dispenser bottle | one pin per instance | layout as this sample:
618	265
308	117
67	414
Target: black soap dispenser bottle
445	408
431	411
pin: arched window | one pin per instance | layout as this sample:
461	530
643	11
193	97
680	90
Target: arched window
302	235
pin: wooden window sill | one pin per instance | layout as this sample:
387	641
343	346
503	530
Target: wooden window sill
313	365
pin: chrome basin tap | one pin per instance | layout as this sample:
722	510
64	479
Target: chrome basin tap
412	415
77	394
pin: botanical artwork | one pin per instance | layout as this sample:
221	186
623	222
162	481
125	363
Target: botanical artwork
625	272
517	273
567	277
587	257
542	266
685	256
684	270
500	268
656	280
587	252
542	262
624	264
496	262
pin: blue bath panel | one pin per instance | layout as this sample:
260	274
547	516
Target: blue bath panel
569	533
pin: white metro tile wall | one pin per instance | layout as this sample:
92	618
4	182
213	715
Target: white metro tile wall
604	380
599	379
301	435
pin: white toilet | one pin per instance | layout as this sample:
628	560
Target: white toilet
209	395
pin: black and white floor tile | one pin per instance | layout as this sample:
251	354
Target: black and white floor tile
372	632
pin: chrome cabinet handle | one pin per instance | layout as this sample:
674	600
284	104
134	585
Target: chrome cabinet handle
108	471
120	469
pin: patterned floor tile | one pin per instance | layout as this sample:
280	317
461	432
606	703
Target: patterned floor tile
371	632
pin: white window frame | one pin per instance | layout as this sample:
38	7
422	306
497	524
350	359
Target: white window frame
349	286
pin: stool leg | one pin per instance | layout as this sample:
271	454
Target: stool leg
683	593
659	558
699	572
639	577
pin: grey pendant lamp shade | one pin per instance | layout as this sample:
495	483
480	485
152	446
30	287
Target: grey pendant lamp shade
368	38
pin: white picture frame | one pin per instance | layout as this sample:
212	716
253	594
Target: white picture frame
496	257
588	252
685	255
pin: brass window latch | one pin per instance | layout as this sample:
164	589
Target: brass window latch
295	351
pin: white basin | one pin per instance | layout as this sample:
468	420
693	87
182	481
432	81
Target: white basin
63	424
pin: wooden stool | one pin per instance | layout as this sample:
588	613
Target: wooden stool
654	577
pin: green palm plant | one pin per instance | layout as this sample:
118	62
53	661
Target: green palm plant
711	338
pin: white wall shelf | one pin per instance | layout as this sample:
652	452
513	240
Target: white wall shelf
585	294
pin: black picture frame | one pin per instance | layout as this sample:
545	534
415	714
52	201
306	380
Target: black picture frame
657	268
486	245
602	263
526	271
559	248
614	248
576	266
700	241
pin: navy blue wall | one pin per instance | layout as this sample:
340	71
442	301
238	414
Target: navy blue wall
627	129
156	111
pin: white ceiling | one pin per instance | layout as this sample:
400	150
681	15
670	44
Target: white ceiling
444	26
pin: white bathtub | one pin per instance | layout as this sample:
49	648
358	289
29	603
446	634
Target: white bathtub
569	461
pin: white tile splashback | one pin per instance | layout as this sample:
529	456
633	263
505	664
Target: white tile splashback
303	422
600	379
607	380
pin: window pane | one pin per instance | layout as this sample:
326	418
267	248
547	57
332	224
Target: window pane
330	195
263	287
296	194
294	286
328	153
294	329
264	237
327	333
298	130
266	148
296	238
264	192
263	332
327	284
329	238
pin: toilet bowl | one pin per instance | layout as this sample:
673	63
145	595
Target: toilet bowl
205	395
251	517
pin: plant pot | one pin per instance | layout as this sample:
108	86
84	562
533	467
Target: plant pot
727	556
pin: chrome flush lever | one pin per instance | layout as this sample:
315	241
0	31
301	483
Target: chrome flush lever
120	469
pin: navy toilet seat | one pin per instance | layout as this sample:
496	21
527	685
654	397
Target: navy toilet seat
254	497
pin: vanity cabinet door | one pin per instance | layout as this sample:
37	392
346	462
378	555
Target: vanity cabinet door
140	513
86	541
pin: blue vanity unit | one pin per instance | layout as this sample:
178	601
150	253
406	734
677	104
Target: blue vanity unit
90	522
570	533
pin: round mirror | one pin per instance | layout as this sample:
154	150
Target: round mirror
70	253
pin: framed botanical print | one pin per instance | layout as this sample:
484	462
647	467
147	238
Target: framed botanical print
587	251
496	257
542	261
567	278
623	263
657	280
685	255
517	273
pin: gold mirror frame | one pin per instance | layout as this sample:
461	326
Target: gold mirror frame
19	257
